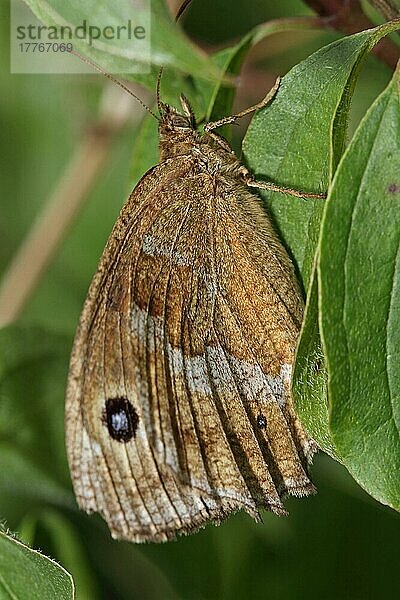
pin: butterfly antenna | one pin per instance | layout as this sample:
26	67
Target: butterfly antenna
114	80
159	104
180	12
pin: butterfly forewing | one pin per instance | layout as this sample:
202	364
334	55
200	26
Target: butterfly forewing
178	405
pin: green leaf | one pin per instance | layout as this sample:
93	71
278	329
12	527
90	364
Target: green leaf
67	546
310	377
289	141
25	573
169	46
230	60
33	365
308	119
359	274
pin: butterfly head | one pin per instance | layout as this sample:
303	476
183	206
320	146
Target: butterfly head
177	129
172	121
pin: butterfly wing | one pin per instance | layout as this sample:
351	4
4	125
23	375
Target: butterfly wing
178	404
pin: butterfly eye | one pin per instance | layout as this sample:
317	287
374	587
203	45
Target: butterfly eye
121	418
261	422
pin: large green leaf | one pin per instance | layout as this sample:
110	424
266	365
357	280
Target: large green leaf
297	141
25	573
290	141
359	274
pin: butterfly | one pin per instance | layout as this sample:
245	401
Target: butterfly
179	408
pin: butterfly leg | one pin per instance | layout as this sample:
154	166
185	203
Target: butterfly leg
227	120
248	178
266	185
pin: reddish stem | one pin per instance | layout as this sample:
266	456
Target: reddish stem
347	16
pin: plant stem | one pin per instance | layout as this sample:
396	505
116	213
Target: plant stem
348	17
387	8
46	234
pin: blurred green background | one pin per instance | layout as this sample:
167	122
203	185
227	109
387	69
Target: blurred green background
338	544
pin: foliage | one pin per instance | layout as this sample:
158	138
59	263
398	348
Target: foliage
25	571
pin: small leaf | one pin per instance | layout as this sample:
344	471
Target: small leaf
67	546
25	573
359	274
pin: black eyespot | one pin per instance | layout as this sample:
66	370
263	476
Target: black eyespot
121	419
261	421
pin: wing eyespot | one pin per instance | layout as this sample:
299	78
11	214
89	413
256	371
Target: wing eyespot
261	422
121	419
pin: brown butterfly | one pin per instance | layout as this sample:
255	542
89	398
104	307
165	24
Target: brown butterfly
179	408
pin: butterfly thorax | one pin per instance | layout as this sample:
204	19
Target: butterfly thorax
179	137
